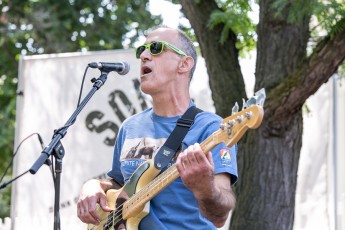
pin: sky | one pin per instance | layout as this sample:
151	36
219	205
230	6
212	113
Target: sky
170	12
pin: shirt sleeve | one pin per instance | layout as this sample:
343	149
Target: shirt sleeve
224	159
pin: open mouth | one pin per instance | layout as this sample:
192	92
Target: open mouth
146	70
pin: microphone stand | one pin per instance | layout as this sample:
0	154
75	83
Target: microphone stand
56	149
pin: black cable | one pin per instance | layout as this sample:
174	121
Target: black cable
15	153
79	99
9	182
82	85
71	123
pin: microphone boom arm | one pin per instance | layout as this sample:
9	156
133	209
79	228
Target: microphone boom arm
47	151
56	149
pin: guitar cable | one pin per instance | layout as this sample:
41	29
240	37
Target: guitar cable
48	162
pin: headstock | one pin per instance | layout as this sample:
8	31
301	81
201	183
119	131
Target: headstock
233	127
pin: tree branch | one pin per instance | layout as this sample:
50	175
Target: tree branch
289	96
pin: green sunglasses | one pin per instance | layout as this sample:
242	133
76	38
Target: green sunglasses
157	48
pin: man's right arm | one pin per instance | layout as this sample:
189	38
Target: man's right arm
93	192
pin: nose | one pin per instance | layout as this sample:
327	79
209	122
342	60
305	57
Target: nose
145	55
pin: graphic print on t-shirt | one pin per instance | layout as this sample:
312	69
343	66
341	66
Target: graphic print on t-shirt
141	148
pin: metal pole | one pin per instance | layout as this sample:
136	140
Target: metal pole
335	149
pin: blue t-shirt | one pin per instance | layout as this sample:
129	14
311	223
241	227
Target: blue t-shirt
139	139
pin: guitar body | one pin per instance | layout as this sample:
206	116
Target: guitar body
122	217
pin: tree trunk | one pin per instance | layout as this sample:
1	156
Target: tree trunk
266	190
268	157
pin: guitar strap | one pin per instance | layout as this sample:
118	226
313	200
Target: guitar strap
171	145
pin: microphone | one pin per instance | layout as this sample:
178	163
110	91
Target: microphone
121	68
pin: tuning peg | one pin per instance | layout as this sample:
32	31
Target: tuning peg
261	96
251	101
244	104
235	108
257	99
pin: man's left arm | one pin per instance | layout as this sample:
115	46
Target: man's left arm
213	192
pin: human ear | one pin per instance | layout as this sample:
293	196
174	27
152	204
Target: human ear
186	64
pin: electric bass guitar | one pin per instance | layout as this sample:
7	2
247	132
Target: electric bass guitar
131	203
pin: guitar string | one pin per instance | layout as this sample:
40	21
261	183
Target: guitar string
168	172
156	183
164	175
117	214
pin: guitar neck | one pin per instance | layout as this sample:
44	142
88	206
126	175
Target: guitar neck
159	183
